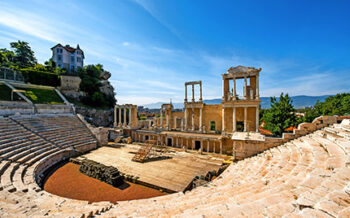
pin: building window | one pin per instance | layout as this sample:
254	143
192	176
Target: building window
78	52
59	50
240	126
72	59
59	57
78	59
212	126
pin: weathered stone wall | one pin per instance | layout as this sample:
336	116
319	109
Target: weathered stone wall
97	117
49	161
212	113
70	83
100	133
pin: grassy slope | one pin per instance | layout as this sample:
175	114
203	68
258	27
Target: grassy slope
42	96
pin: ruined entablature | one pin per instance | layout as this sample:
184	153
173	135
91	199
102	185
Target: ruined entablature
241	72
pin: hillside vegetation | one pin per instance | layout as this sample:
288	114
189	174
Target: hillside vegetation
21	58
282	114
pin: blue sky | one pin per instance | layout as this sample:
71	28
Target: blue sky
152	47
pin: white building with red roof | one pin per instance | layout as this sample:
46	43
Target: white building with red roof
68	57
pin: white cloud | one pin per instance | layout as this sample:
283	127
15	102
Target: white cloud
29	24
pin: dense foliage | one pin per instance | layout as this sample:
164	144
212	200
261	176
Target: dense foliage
24	56
90	84
39	77
333	105
21	59
280	116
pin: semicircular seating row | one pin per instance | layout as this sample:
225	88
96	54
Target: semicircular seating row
308	176
25	143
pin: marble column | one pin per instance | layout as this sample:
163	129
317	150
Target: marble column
120	117
234	89
234	129
223	90
124	123
185	93
130	119
245	88
200	92
220	146
115	117
161	118
223	120
167	119
257	120
185	121
245	118
192	92
192	119
257	87
200	120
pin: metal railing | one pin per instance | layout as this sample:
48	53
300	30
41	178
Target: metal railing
10	75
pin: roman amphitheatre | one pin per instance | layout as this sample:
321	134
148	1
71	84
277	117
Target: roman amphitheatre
207	160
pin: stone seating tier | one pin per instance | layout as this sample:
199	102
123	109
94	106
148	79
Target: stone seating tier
306	177
309	176
23	147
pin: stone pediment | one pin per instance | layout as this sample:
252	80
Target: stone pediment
242	69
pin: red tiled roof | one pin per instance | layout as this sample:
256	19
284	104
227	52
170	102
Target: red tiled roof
265	131
69	49
343	117
290	129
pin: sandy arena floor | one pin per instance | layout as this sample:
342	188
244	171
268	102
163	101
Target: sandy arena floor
174	173
68	182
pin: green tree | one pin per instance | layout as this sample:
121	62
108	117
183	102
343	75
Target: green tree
98	99
280	116
333	105
6	57
24	54
336	105
90	82
312	113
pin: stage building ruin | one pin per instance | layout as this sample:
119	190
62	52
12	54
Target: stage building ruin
231	127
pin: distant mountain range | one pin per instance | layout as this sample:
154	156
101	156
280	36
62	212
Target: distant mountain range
299	101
